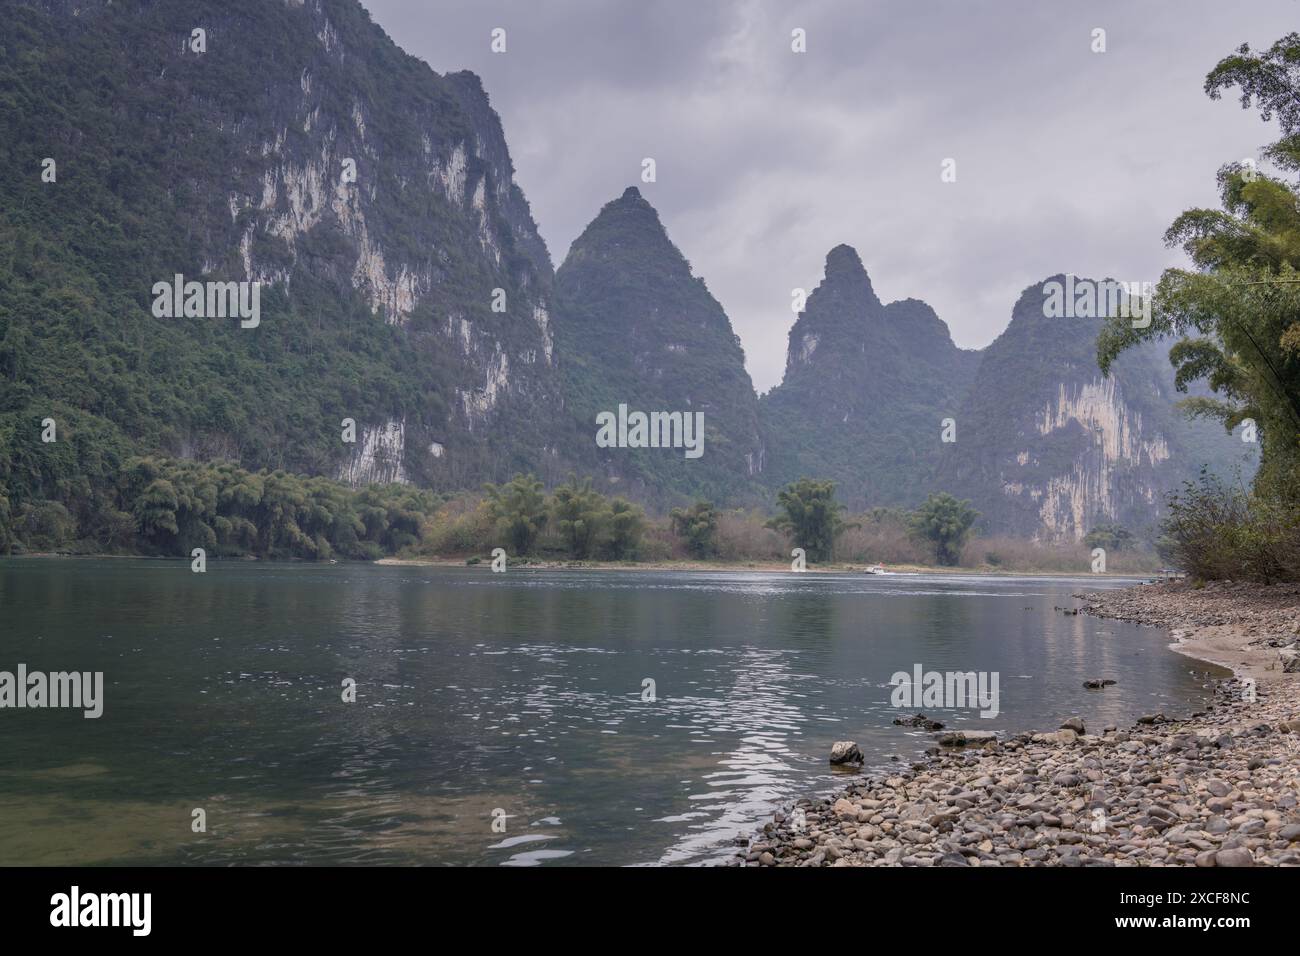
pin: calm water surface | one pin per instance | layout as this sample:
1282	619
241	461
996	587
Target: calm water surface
519	692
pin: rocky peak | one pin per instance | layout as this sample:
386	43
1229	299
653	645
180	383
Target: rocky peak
302	149
844	268
1066	448
845	293
626	229
635	327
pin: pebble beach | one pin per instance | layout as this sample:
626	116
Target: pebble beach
1215	788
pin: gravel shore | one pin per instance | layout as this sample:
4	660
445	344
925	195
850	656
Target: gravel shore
1216	788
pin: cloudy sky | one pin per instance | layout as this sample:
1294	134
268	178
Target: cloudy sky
1066	159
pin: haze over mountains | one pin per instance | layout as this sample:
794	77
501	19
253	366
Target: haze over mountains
417	298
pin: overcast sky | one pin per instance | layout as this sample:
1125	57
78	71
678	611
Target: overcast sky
1067	160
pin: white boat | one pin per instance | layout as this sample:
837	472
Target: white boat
877	569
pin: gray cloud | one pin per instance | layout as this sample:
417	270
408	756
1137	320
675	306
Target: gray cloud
1067	160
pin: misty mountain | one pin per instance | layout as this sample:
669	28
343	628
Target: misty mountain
404	287
635	327
404	283
1047	446
866	386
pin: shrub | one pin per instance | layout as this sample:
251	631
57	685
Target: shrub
519	510
945	524
1221	532
698	526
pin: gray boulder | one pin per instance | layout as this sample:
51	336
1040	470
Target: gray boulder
1237	856
846	751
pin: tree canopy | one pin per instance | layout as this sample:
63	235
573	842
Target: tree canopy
698	525
811	516
519	510
1235	318
945	523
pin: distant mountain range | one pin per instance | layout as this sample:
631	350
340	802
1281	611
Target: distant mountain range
405	287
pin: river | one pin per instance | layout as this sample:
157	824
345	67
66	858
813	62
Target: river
503	719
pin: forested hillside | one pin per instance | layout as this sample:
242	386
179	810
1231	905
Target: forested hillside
410	329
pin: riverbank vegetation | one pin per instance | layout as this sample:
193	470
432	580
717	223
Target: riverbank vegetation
578	524
167	507
1224	532
1235	324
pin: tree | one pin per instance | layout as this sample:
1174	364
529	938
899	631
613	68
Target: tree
155	509
46	525
6	529
170	506
580	514
811	516
1112	537
625	525
945	523
519	511
1236	318
698	525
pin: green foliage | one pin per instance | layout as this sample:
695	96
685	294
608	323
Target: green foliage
811	516
168	507
579	514
154	147
462	525
626	525
1269	80
1111	537
588	525
6	526
1236	317
698	525
945	523
44	526
636	327
1167	550
866	385
519	510
1217	531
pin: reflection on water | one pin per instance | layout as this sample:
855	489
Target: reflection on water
760	711
519	694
